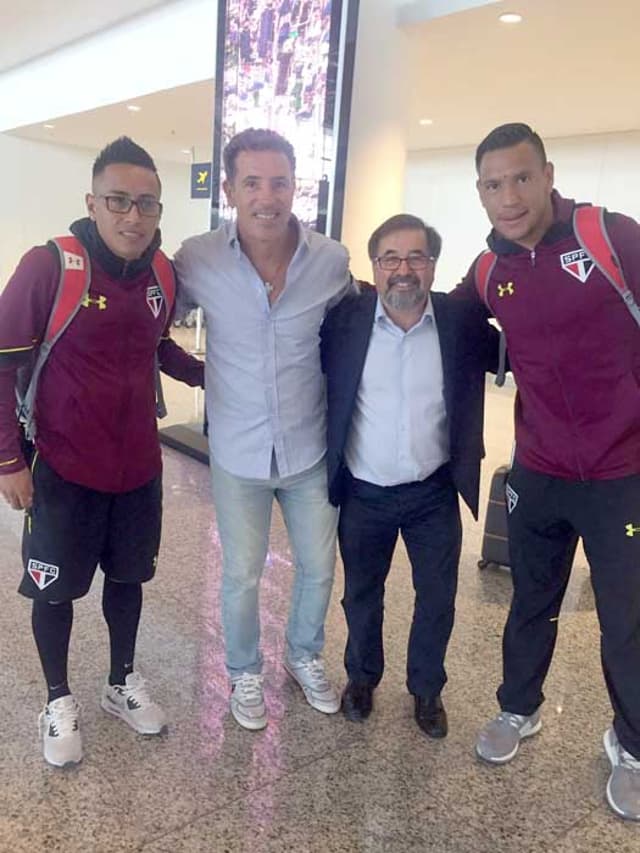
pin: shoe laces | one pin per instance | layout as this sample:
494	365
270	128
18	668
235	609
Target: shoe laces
249	687
314	667
63	717
627	760
135	692
514	720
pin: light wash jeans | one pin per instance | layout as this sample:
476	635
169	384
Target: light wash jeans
243	510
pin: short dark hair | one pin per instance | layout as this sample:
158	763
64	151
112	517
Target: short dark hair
255	139
123	150
405	222
508	135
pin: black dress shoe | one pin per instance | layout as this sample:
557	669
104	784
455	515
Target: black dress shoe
431	716
357	701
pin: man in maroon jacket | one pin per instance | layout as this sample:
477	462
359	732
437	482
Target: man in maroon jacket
91	487
574	349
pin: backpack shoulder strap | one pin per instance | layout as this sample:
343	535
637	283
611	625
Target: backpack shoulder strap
75	277
485	265
591	232
482	272
166	279
73	286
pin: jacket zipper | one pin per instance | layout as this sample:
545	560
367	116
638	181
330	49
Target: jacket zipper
572	422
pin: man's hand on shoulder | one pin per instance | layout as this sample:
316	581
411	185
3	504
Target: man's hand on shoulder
17	489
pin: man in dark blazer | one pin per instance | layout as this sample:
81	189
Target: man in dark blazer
405	375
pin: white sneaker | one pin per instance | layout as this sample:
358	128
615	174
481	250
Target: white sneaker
59	725
131	702
623	787
247	701
310	675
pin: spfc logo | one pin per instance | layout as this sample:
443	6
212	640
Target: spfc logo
578	264
512	498
154	299
42	574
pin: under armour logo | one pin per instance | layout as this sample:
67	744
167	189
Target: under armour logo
631	530
73	261
507	289
101	302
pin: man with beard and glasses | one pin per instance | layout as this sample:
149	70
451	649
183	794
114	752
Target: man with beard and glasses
405	383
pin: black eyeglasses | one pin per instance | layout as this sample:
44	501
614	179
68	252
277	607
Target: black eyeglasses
147	205
415	262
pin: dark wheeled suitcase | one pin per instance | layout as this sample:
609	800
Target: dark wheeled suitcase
495	543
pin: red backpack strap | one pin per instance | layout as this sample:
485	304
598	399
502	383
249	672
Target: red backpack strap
75	277
166	278
591	232
482	273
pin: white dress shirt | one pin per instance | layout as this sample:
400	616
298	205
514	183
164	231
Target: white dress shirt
399	431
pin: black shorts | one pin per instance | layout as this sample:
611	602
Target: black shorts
70	529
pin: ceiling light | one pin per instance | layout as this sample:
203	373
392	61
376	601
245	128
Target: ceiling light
133	108
49	126
510	18
425	122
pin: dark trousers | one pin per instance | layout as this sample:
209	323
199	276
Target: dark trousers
544	525
427	515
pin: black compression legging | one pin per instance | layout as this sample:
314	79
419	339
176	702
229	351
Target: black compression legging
52	622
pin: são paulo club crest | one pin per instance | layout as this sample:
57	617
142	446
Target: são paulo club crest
154	299
578	264
42	574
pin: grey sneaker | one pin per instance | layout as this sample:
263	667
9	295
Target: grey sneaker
247	701
623	787
499	740
310	675
131	702
59	725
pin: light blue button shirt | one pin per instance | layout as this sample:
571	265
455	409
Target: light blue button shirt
264	385
399	430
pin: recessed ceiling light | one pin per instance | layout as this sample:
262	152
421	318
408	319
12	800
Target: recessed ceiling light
425	122
49	126
510	18
133	108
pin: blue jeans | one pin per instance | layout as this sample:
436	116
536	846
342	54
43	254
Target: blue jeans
243	510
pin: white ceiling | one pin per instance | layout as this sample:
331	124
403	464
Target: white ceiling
168	123
571	67
31	28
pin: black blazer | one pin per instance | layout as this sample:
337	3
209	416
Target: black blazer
469	347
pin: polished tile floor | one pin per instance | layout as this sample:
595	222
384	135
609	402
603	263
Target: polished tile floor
308	782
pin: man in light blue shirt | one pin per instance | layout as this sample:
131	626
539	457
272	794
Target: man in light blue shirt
265	284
